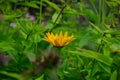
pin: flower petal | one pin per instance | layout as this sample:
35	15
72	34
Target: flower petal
58	40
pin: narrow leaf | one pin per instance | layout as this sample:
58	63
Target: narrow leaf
95	55
96	27
13	75
114	75
40	78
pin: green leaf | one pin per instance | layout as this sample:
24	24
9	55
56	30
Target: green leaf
30	4
13	75
69	11
56	17
40	78
5	46
114	75
96	27
24	35
8	17
35	38
112	4
40	28
52	4
113	32
105	67
91	15
106	51
95	55
84	40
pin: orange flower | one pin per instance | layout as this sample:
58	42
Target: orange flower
58	40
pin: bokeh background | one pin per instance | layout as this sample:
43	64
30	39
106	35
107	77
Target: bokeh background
93	55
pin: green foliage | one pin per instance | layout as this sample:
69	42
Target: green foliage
114	76
40	78
93	55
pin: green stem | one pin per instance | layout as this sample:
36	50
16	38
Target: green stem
40	11
58	16
54	24
100	12
103	13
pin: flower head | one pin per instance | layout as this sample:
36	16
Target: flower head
27	15
58	40
13	25
31	17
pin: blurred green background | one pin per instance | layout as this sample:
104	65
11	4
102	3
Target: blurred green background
93	55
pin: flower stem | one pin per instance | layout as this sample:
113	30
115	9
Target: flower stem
40	11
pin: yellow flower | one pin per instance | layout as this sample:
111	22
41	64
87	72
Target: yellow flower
58	40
